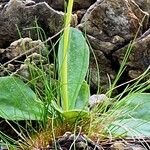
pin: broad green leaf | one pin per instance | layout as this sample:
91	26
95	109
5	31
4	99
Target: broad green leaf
136	119
77	64
75	115
131	127
83	97
18	101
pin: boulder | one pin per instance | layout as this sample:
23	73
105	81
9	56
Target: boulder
109	26
17	49
144	5
28	66
18	19
113	21
100	72
139	59
59	4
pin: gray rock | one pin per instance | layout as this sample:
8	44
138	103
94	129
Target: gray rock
108	18
97	99
80	142
20	46
110	25
17	48
139	59
120	145
104	68
17	15
59	4
144	5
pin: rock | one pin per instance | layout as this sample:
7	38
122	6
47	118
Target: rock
99	75
36	59
21	46
17	48
80	13
31	68
110	18
144	5
96	100
15	17
59	4
139	59
80	142
120	145
23	72
110	25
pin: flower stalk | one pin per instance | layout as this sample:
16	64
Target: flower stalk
64	79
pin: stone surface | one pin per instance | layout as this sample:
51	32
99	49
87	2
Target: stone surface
59	4
139	59
17	48
96	100
110	25
144	5
16	14
107	19
20	46
119	145
82	142
100	72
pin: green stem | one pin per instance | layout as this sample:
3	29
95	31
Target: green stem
65	48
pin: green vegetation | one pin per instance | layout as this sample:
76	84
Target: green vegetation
64	102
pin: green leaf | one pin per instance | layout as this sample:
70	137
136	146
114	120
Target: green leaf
131	127
75	115
18	101
136	119
77	64
55	106
83	97
81	107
